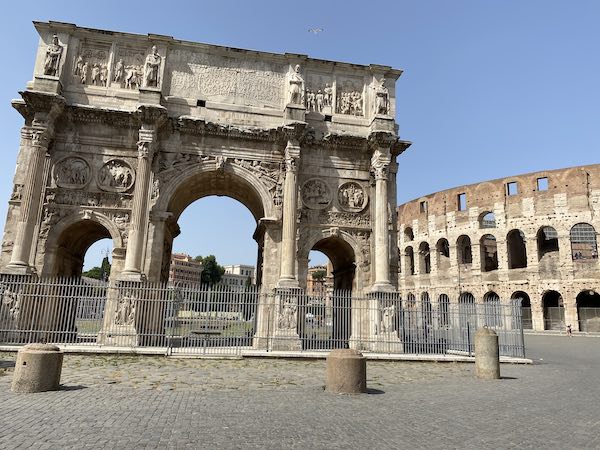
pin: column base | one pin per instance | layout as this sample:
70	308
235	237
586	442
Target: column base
382	287
288	283
286	340
388	343
18	269
132	276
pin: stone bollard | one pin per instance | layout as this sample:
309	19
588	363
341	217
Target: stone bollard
487	355
37	369
346	372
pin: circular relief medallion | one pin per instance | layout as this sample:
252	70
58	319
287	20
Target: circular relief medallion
72	172
316	194
352	197
116	176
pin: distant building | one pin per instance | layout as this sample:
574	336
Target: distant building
316	284
184	269
239	275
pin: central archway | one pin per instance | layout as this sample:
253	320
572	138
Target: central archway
201	181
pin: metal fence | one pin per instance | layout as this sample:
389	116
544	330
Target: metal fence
221	320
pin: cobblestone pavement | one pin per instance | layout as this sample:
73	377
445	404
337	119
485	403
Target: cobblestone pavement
153	402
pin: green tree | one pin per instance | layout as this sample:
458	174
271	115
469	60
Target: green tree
94	272
212	271
319	274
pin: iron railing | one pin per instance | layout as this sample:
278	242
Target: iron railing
221	320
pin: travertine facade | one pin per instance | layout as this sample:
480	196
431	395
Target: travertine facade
122	132
529	236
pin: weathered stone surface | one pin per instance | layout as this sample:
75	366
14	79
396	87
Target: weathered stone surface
487	356
37	369
346	372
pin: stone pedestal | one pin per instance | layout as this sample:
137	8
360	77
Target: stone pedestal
294	113
487	355
150	96
37	369
388	343
346	372
46	83
119	336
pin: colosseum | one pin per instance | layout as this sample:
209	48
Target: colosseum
530	237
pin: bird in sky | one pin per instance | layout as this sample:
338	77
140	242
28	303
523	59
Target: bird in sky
315	30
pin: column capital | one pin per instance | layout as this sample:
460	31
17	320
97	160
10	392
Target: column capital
380	162
152	117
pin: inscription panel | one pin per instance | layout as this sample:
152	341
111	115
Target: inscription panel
223	79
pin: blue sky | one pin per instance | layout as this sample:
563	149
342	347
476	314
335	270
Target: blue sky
490	89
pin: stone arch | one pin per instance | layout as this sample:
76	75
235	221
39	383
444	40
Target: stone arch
526	319
487	219
492	309
409	263
203	180
489	253
443	254
547	243
424	258
588	310
583	242
554	311
517	253
409	235
72	236
345	254
443	310
463	250
467	315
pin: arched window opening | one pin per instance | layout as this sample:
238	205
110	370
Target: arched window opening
97	262
525	309
583	243
517	253
467	313
424	258
409	236
410	260
463	248
554	312
489	253
444	310
443	254
487	220
588	311
426	310
547	243
492	309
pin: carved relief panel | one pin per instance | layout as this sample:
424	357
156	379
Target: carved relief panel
91	64
349	96
116	176
225	79
319	93
316	194
128	67
352	197
72	172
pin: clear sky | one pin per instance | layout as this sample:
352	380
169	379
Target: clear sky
490	89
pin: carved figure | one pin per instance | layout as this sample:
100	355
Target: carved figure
96	75
133	77
382	98
103	75
17	192
350	102
387	319
316	194
319	99
125	313
310	100
78	66
296	87
119	71
12	304
72	172
351	196
115	175
53	55
328	99
83	73
287	317
151	68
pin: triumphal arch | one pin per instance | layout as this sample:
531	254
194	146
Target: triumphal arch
122	132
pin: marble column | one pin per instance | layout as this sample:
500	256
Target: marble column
287	274
37	141
380	162
139	211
